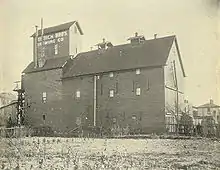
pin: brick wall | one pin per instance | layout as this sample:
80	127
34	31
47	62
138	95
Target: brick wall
78	107
148	107
37	83
63	108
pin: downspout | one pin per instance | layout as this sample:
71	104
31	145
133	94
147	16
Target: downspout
94	100
42	36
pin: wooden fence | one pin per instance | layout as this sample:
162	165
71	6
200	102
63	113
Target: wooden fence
15	132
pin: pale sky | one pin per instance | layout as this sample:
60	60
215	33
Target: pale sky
194	22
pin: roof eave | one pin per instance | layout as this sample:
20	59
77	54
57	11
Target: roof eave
180	58
79	28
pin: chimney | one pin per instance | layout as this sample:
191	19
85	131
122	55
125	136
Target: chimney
136	34
137	39
211	101
155	36
35	48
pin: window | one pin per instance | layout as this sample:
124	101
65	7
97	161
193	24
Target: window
44	98
111	74
138	91
214	113
111	93
133	85
56	49
208	109
114	120
120	53
138	71
41	61
44	117
134	117
78	94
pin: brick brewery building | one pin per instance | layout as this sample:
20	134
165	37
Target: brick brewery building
125	85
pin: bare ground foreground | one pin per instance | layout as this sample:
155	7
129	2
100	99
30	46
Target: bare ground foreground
80	153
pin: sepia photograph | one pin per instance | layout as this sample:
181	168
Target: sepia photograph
115	85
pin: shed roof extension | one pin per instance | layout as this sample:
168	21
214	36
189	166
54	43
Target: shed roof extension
50	64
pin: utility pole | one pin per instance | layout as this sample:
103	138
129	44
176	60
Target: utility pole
177	94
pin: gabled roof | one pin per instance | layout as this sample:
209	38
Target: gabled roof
150	53
60	27
209	105
50	64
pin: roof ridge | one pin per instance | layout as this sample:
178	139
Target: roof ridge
150	53
70	23
125	44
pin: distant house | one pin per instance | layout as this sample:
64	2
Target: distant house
207	110
6	98
132	84
8	113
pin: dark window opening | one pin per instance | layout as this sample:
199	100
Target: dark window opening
116	88
133	86
140	116
101	89
44	117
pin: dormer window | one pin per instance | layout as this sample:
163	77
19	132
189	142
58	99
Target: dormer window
138	71
111	74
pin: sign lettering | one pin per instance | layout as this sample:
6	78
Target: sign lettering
52	38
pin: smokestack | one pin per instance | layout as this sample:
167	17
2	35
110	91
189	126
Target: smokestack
35	48
136	34
155	36
42	30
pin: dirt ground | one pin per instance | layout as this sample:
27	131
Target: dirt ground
80	153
